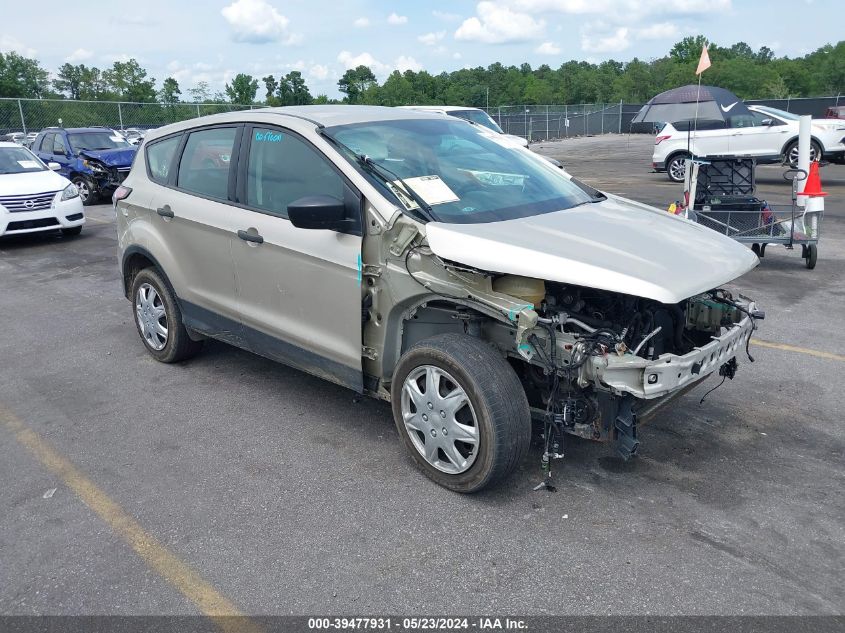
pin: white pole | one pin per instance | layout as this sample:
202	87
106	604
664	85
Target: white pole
804	123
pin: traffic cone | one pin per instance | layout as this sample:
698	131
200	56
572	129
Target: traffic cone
813	188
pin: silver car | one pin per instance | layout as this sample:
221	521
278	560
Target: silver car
407	256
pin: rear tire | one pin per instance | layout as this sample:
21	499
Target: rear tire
790	154
159	320
494	416
812	256
676	167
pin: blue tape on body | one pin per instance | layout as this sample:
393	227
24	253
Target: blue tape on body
514	311
360	264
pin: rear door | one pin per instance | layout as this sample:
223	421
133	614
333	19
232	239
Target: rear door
299	290
749	137
193	216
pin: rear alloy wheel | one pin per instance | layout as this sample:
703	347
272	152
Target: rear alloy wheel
87	191
461	411
791	154
676	168
159	320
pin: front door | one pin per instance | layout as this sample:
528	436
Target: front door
299	290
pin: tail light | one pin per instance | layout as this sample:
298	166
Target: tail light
121	193
660	139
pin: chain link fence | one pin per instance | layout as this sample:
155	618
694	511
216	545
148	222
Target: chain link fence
534	122
551	122
31	115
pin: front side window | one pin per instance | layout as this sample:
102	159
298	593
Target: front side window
160	158
204	167
283	168
465	176
478	116
59	145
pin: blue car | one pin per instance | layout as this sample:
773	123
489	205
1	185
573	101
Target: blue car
95	159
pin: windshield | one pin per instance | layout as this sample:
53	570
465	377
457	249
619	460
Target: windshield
97	140
464	176
477	116
18	160
783	114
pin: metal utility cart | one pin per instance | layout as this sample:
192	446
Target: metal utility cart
725	202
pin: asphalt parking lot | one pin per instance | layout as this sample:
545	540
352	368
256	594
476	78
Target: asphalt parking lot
286	494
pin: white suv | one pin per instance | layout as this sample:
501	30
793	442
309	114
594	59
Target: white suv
769	135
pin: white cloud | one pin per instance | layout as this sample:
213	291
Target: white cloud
496	24
659	31
361	23
255	21
403	63
9	43
430	39
456	55
318	71
363	59
396	19
445	16
548	48
598	38
624	7
79	55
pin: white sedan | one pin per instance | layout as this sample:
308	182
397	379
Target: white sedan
33	197
769	135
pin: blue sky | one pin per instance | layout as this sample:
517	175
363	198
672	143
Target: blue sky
209	40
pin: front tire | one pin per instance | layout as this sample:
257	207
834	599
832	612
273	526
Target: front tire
72	231
790	155
460	411
87	190
159	319
676	167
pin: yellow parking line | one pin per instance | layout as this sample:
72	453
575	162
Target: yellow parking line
88	218
800	350
189	583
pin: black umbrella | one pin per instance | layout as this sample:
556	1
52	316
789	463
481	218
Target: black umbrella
691	102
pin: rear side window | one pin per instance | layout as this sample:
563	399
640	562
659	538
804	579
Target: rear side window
282	168
47	143
204	167
160	158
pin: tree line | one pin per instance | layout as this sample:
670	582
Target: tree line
750	74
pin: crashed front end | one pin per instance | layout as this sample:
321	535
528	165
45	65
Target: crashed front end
600	362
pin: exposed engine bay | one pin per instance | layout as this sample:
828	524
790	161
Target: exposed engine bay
592	352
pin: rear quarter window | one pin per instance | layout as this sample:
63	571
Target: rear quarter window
160	158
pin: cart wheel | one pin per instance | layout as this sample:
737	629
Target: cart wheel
812	256
755	248
762	250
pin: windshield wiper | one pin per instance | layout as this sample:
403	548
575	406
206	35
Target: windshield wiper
379	172
595	194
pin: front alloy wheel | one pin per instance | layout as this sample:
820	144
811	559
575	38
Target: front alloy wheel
439	419
151	316
86	190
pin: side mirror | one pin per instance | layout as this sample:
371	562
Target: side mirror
768	122
54	166
318	212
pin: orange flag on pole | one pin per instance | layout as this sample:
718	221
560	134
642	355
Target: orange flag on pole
703	62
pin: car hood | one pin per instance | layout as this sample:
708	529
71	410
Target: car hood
616	245
31	182
119	157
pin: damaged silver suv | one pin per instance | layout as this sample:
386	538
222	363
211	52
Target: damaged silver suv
409	257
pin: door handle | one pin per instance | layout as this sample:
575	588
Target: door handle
250	237
165	211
